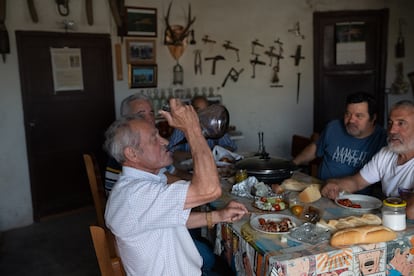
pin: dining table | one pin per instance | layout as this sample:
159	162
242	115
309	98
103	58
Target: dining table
251	252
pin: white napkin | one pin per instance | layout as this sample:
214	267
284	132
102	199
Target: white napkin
220	152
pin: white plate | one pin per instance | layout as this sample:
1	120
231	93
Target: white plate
367	203
254	222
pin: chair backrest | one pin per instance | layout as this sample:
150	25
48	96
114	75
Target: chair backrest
97	188
298	144
109	263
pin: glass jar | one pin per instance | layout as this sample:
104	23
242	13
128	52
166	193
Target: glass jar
240	176
393	213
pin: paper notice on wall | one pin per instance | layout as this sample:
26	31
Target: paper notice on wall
67	69
350	43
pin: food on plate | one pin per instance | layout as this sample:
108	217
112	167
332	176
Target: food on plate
270	203
348	203
270	225
310	194
351	221
293	185
362	235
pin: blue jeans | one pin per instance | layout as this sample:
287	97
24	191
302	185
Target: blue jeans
207	254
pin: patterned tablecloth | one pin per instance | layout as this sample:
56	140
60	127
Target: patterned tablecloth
250	252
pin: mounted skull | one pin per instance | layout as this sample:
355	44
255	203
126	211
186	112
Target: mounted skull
175	36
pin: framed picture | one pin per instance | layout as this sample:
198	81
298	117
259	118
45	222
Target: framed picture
140	51
141	21
142	76
350	43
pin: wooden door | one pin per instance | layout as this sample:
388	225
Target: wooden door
335	79
61	126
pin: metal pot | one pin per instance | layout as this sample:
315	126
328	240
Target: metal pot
267	169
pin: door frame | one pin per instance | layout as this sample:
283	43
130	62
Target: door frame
376	63
103	41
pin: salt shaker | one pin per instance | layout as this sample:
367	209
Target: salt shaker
393	213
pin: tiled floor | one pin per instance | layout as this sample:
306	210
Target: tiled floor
57	246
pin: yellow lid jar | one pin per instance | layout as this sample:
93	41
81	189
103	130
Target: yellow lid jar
393	213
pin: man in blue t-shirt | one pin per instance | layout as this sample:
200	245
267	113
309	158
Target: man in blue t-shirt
346	145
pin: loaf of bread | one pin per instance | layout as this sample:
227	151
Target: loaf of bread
310	194
351	221
362	235
291	184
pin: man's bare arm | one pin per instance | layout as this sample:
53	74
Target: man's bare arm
231	213
349	184
205	184
306	155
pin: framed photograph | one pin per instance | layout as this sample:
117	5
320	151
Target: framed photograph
140	51
142	76
141	21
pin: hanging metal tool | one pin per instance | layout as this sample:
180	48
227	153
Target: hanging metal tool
206	40
89	12
63	7
227	46
192	40
32	11
254	44
255	62
214	59
271	54
296	31
197	62
297	56
117	6
178	74
4	35
233	74
298	89
400	46
275	78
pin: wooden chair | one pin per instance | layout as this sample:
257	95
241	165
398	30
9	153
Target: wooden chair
97	188
298	144
109	263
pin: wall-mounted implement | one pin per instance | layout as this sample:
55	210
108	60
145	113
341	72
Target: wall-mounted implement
254	44
206	40
228	46
214	59
233	74
255	62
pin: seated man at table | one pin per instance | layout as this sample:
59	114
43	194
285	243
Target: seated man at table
182	150
393	165
141	104
149	217
346	145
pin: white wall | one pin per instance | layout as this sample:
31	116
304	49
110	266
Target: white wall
253	105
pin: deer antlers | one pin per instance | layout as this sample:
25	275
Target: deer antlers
175	35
